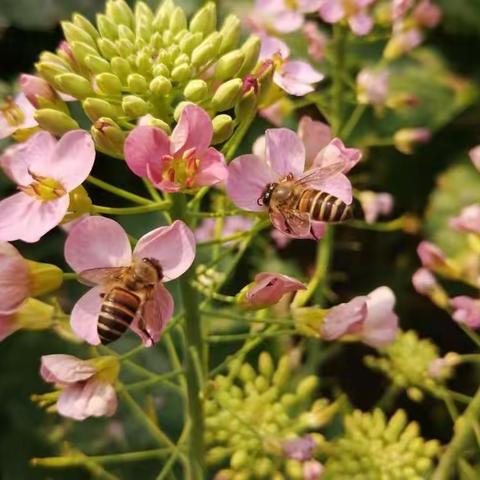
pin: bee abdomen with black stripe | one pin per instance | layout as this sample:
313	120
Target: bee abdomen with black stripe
118	310
323	207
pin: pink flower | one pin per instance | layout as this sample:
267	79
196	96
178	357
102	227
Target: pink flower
16	114
300	449
372	87
101	243
45	170
315	136
405	139
402	42
474	155
468	220
86	390
312	470
430	255
316	40
34	87
14	279
293	76
277	111
268	289
355	11
371	318
427	14
424	281
231	225
185	160
466	311
285	158
400	8
375	204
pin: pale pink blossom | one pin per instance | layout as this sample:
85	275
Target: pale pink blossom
34	87
474	155
183	160
295	77
312	470
250	176
268	289
16	113
466	310
427	14
400	9
231	226
402	42
300	449
431	255
355	11
316	40
468	220
424	281
101	243
45	170
370	318
84	393
375	204
406	139
372	86
276	112
315	136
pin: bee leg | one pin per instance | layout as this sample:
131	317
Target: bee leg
142	327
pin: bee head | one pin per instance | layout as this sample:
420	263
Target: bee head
264	200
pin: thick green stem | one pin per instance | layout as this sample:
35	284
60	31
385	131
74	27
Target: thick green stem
463	436
194	351
152	207
120	192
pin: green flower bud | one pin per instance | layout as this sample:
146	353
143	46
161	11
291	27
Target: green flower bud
54	121
96	108
196	90
181	73
216	455
97	64
229	64
134	106
307	386
75	34
265	365
161	69
178	20
246	106
203	54
44	278
282	374
81	50
239	459
121	68
143	13
125	47
34	315
181	58
227	95
251	50
205	20
106	27
126	33
80	204
109	84
119	12
108	48
160	86
156	122
50	70
230	32
83	23
144	63
189	42
137	83
162	18
222	128
108	137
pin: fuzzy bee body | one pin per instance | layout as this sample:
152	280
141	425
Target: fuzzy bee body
321	206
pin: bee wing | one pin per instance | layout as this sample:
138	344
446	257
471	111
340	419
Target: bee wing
98	276
291	221
320	174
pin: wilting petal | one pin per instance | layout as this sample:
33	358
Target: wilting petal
65	369
26	218
272	46
91	399
157	314
468	220
269	288
212	168
14	165
144	145
361	23
247	178
97	242
14	279
84	316
287	21
315	136
284	152
71	160
173	247
345	318
194	130
466	311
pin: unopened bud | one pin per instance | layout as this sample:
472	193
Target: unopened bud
34	315
160	86
307	386
230	32
107	28
108	83
121	68
96	108
239	459
81	22
178	20
76	34
49	70
108	48
108	137
74	85
251	50
137	83
97	64
203	54
54	121
119	12
227	95
155	122
134	106
44	278
229	64
222	128
189	42
196	90
406	138
205	20
181	73
34	87
246	106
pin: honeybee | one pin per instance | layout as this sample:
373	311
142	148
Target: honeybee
293	203
128	295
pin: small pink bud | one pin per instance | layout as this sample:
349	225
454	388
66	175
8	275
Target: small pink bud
427	14
406	138
34	87
424	281
430	255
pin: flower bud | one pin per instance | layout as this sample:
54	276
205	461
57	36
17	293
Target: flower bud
108	83
406	138
44	278
97	64
34	87
239	459
119	12
80	204
74	85
178	20
205	20
34	315
160	86
203	54
96	108
222	128
76	34
137	83
49	70
307	386
181	73
108	48
108	137
229	64
246	106
196	90
82	22
189	42
134	106
120	68
230	32
106	27
251	51
126	33
155	122
54	121
227	95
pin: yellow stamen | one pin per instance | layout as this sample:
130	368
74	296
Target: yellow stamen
12	113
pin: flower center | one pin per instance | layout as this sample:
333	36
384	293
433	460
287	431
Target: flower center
291	4
12	113
350	7
44	188
181	170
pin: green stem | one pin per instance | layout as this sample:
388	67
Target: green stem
69	276
118	191
462	437
339	44
152	381
353	121
246	336
473	336
151	207
232	144
194	341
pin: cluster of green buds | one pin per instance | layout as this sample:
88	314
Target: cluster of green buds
372	448
251	414
148	65
408	363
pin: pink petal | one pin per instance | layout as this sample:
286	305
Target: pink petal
375	204
331	11
173	247
269	288
194	130
315	136
345	318
28	121
14	279
26	218
272	46
8	325
97	242
309	6
14	165
296	77
158	313
312	470
335	152
424	281
91	399
430	255
300	449
338	186
212	168
284	151
34	87
71	161
143	145
247	178
468	220
361	23
287	21
84	316
65	369
37	149
466	311
474	155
